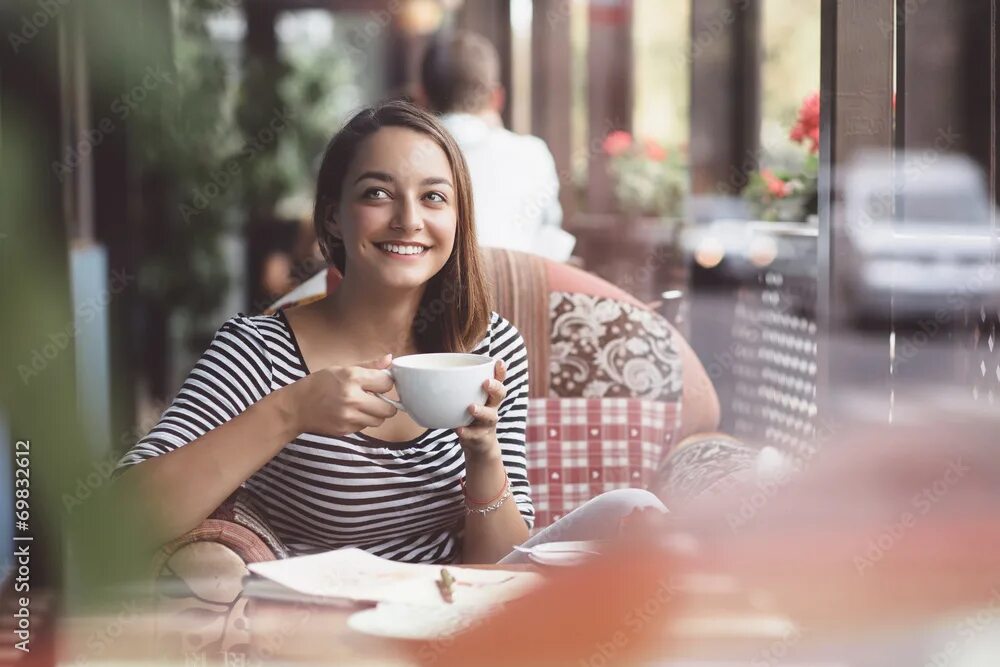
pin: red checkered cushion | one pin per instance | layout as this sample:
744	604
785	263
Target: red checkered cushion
579	448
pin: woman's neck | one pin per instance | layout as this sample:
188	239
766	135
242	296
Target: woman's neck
381	320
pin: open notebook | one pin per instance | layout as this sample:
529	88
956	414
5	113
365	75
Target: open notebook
354	575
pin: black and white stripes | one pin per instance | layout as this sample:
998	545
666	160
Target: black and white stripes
397	500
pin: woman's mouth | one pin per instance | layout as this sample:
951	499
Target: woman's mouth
403	250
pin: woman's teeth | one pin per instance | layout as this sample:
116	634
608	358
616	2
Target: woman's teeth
402	249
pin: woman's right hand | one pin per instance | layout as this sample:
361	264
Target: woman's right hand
336	400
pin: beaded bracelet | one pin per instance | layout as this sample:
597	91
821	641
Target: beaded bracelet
472	506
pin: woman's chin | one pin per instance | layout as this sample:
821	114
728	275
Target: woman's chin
401	280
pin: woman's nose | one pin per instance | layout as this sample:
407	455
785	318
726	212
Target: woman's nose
407	216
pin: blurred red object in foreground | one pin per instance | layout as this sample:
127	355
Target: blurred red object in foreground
879	532
606	612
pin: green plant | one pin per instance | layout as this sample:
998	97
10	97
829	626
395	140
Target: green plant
782	195
186	139
648	179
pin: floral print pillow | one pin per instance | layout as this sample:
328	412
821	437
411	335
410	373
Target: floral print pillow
602	347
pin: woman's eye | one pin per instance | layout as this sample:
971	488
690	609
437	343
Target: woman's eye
375	193
435	197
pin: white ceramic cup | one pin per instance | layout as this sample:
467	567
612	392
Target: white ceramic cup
436	390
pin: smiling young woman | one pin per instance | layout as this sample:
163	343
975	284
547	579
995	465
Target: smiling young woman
282	405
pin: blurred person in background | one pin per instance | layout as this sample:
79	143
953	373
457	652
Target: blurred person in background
514	179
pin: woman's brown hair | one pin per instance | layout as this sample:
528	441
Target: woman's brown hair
455	310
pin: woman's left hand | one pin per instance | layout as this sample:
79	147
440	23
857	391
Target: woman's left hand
480	437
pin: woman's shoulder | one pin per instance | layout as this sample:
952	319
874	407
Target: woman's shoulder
501	332
254	324
500	324
262	332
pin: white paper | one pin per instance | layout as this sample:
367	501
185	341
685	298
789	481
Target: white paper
355	574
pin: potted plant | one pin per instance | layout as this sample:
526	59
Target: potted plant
648	179
790	195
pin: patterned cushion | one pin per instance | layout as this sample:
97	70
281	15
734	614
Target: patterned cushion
580	448
604	347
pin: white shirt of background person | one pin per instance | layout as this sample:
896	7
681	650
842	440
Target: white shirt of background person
515	187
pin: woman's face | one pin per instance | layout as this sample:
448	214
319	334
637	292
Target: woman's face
397	214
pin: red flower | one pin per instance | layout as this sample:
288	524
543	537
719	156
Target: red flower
617	142
777	187
807	125
654	151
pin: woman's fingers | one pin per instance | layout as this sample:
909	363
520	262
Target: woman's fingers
362	420
482	431
484	415
495	392
373	405
371	379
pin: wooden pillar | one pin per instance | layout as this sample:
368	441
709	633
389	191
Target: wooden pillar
995	108
610	92
951	106
946	80
856	114
492	20
725	94
404	53
979	66
551	88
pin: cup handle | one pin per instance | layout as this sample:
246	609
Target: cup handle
393	403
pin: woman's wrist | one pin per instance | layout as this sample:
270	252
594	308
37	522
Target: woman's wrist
483	458
484	474
284	403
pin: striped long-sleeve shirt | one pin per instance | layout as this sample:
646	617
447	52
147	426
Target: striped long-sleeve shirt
399	500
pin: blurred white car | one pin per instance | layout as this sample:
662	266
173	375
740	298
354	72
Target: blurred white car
918	239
